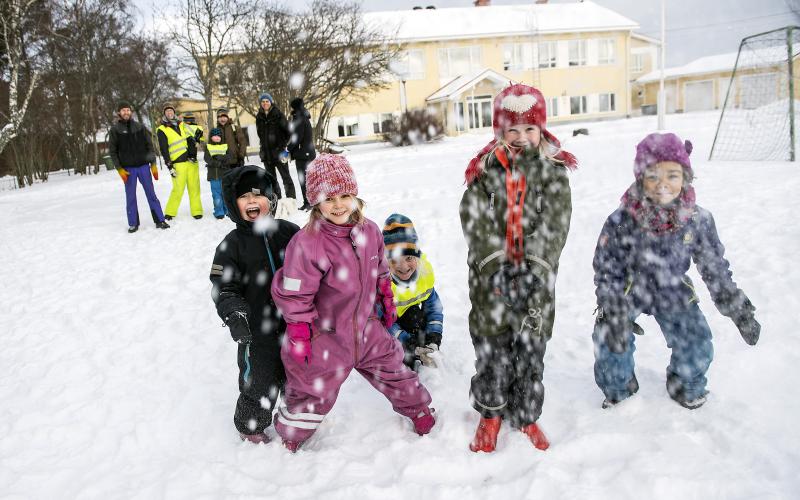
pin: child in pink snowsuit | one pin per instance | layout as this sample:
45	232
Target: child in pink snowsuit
333	274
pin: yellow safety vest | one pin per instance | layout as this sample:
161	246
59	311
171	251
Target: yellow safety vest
177	142
418	291
192	129
216	149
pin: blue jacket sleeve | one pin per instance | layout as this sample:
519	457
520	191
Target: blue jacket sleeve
610	264
432	309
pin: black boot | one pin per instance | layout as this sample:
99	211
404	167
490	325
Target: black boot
133	229
162	225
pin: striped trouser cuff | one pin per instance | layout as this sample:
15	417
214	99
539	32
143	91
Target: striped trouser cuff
299	420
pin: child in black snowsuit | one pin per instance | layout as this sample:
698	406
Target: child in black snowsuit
642	255
515	215
241	275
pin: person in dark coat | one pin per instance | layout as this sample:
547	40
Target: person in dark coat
273	132
640	264
301	143
232	136
244	264
131	150
515	215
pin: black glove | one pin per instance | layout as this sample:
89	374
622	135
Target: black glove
749	328
198	134
240	331
433	338
613	327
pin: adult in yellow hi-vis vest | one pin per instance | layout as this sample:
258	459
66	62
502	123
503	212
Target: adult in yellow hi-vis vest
179	150
195	130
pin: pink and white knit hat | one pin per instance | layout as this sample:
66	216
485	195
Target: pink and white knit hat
329	175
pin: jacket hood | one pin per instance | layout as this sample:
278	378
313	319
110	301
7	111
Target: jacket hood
229	182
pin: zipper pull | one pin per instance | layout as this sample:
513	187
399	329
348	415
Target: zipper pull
491	201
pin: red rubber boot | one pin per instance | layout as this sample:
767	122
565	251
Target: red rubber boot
486	435
536	436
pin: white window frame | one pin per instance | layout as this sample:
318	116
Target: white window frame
609	45
445	56
583	105
518	56
581	46
611	102
410	65
637	62
550	53
378	120
347	126
552	106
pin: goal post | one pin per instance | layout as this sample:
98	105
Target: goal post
757	121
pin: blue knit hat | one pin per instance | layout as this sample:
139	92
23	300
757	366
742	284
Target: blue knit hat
215	131
400	237
266	96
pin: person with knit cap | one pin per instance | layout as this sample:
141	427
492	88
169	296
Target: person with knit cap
178	147
334	274
515	215
640	264
131	150
273	132
419	310
301	143
218	161
244	266
234	137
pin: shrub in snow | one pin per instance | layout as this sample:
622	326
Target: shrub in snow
414	127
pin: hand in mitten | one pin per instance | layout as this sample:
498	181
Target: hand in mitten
299	342
387	301
240	330
433	338
613	327
749	328
154	171
172	171
123	174
283	156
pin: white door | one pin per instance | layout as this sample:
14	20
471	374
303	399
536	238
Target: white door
480	113
698	96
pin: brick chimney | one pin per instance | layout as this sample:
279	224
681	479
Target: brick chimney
482	3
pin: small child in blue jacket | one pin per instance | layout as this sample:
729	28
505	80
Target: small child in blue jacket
419	310
642	255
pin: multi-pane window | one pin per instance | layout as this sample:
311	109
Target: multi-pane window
552	106
457	61
410	65
605	51
637	63
606	102
381	122
517	56
548	55
577	52
577	105
348	126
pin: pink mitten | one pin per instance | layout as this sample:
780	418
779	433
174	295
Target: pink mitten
299	336
387	300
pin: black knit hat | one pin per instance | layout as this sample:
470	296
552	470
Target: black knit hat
400	237
255	182
222	112
123	104
296	103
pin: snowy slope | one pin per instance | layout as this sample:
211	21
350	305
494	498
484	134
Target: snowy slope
117	380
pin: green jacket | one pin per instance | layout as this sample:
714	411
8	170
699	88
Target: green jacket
546	216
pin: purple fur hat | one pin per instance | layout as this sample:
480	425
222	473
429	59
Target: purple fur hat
657	147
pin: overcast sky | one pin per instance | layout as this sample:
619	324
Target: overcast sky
695	28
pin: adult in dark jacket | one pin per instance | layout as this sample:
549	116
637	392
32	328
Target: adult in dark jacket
301	143
233	137
640	265
515	215
132	152
273	132
241	275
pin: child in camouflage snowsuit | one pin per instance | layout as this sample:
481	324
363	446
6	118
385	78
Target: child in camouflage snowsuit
515	215
642	255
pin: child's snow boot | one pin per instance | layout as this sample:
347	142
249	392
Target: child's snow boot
255	438
424	422
486	435
536	436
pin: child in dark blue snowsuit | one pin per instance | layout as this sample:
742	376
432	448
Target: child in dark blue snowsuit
642	255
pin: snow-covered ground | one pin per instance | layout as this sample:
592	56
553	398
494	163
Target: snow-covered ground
118	381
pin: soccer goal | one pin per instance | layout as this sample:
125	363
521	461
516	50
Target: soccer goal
758	118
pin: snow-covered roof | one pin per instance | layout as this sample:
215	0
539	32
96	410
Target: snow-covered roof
457	86
497	20
720	63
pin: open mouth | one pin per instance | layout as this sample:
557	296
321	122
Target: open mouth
252	212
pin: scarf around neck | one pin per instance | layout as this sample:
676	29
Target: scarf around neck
655	218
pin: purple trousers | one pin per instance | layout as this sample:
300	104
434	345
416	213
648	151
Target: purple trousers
145	177
311	389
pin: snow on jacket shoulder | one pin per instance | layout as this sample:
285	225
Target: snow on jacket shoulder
329	278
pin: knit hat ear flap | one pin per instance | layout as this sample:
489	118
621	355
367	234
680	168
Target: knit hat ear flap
688	145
